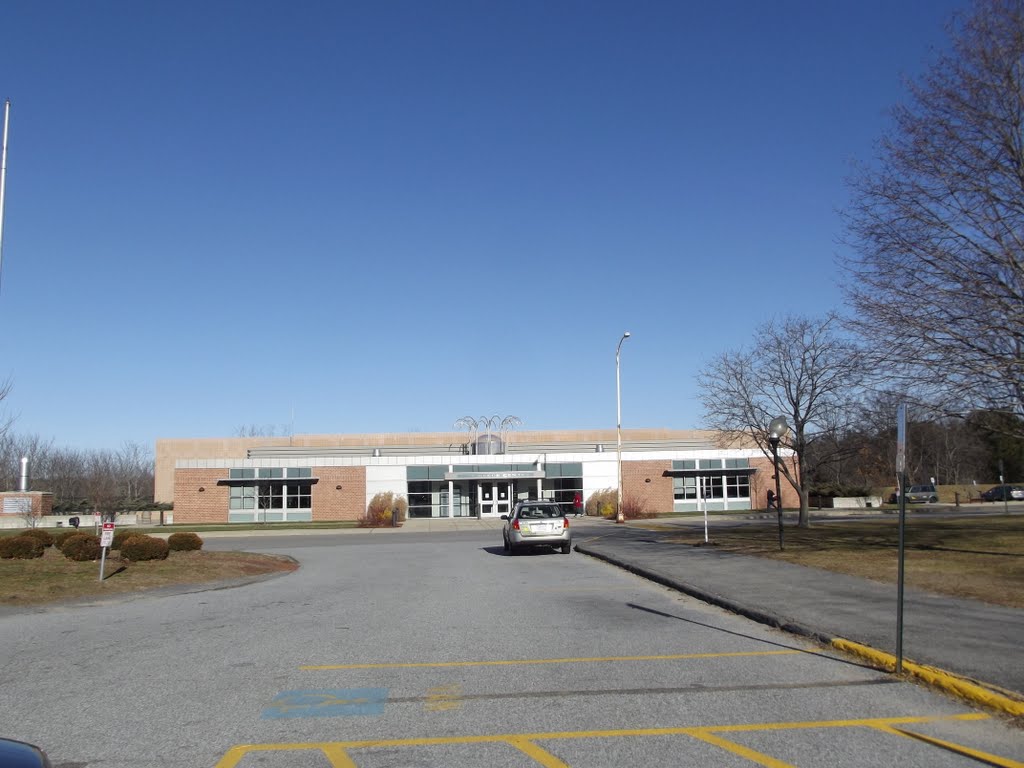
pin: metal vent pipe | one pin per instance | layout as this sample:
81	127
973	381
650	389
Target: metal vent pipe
23	482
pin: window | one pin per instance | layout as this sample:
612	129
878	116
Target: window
737	486
270	494
419	499
242	497
684	488
299	496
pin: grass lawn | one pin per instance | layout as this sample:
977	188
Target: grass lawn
53	577
973	556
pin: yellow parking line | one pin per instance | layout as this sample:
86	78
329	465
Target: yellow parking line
572	660
960	749
337	756
738	749
542	756
337	751
870	722
333	751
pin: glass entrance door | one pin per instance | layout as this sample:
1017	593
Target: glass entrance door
494	498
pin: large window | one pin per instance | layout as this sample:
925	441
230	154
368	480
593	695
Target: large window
737	486
563	482
718	484
274	494
419	498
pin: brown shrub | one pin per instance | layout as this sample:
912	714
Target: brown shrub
21	548
602	503
44	536
120	535
634	508
81	547
379	511
61	536
184	542
139	547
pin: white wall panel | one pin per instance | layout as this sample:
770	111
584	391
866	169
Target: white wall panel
381	478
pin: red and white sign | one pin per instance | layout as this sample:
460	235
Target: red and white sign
107	537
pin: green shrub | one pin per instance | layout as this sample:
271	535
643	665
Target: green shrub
379	511
81	547
44	536
184	542
140	547
21	547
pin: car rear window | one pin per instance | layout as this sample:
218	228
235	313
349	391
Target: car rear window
541	510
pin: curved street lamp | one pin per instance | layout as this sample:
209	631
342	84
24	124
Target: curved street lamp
618	432
777	430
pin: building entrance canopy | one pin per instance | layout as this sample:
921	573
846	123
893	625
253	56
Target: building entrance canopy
496	475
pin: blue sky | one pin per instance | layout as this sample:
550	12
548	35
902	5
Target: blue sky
383	216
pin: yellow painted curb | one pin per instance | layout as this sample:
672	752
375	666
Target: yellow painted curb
935	677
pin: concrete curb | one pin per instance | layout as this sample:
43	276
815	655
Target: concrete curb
948	682
937	678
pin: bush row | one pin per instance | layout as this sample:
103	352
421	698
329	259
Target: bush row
82	546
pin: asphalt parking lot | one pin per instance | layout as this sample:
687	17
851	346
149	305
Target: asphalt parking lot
426	650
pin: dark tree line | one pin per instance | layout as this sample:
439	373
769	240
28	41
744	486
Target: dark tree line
80	480
953	451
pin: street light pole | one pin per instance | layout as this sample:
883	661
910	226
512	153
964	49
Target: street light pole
618	432
777	429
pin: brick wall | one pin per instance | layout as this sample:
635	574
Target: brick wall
762	480
210	504
646	482
192	505
345	503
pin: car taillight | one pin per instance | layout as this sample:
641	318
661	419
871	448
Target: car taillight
565	522
515	523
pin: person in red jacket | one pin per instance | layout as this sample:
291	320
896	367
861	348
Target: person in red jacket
577	505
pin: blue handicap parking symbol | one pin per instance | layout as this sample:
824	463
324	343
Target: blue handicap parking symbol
344	702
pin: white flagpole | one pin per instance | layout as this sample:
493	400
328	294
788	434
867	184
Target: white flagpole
3	181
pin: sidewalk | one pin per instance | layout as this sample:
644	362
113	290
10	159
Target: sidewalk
962	638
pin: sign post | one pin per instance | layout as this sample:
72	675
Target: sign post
901	490
106	539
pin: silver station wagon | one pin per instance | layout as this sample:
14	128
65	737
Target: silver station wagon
536	524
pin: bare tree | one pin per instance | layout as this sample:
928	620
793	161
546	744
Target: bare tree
64	476
134	464
937	223
799	368
261	430
102	483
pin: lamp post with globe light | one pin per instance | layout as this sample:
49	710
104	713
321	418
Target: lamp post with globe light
777	429
618	432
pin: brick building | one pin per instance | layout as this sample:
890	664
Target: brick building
333	477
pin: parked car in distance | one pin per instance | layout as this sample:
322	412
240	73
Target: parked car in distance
922	494
1004	493
536	523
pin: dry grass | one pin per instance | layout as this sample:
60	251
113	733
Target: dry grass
53	577
975	557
